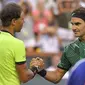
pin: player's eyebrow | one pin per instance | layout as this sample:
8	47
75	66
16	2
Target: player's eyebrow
76	23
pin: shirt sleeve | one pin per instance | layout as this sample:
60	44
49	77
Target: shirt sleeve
20	55
64	63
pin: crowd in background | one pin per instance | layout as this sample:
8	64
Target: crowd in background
47	28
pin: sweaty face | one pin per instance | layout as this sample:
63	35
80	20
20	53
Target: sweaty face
78	27
19	23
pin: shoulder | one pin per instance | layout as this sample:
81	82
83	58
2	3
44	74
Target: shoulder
72	45
16	43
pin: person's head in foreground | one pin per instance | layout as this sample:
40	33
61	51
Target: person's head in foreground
77	74
12	18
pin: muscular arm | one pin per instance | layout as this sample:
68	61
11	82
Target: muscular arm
55	76
52	76
24	73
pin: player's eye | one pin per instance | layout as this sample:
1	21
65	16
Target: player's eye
77	23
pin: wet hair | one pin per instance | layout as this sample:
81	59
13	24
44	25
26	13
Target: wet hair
80	13
9	12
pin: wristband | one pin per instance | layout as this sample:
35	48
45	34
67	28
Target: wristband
42	73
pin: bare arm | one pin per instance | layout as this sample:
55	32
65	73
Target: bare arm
24	73
52	76
55	76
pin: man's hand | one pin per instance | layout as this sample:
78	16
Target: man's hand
37	64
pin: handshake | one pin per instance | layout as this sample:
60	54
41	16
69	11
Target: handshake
37	66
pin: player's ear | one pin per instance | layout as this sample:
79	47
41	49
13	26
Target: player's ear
13	22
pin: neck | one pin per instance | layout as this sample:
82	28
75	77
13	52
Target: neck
82	39
8	29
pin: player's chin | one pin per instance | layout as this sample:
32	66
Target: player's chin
77	35
19	30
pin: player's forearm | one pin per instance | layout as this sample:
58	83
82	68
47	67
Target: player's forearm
24	73
52	76
26	76
30	74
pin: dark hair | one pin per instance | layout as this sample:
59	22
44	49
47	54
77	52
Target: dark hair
79	10
80	13
9	12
